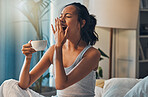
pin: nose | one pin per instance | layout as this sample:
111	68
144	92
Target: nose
62	19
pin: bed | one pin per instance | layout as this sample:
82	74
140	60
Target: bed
122	87
115	87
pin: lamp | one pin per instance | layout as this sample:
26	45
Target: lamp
120	14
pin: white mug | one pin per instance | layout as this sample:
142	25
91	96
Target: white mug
39	45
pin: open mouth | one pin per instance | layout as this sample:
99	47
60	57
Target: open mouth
64	28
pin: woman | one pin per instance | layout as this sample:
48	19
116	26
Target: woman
73	57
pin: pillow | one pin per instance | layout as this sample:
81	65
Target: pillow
99	87
118	87
139	90
98	91
100	83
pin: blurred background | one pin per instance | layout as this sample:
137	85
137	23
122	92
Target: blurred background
24	20
15	31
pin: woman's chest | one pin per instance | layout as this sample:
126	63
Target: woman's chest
69	58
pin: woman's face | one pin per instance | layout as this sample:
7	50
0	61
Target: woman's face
69	18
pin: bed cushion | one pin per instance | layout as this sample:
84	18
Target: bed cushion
98	91
100	83
118	87
99	87
139	90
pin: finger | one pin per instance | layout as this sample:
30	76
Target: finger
66	31
29	41
28	45
28	49
60	26
55	24
26	52
33	51
53	29
29	52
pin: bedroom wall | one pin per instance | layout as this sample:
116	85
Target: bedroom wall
124	50
103	44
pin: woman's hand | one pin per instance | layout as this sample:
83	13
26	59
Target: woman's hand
27	50
59	33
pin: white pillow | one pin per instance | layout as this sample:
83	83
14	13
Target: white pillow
98	91
118	87
139	90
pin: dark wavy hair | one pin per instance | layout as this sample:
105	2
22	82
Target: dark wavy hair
87	33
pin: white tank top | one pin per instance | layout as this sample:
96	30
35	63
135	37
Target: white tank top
85	87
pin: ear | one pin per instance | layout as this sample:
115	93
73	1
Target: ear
83	23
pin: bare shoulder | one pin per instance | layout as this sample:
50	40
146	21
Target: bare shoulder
92	56
93	52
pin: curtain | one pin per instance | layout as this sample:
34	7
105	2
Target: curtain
15	31
6	42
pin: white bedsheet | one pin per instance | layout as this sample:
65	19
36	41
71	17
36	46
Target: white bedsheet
116	87
10	88
98	91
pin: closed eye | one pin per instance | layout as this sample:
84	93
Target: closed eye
68	16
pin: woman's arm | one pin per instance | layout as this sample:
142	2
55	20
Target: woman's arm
60	75
28	78
88	63
24	75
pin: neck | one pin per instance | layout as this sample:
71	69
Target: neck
75	44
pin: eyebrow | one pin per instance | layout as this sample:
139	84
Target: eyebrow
66	13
